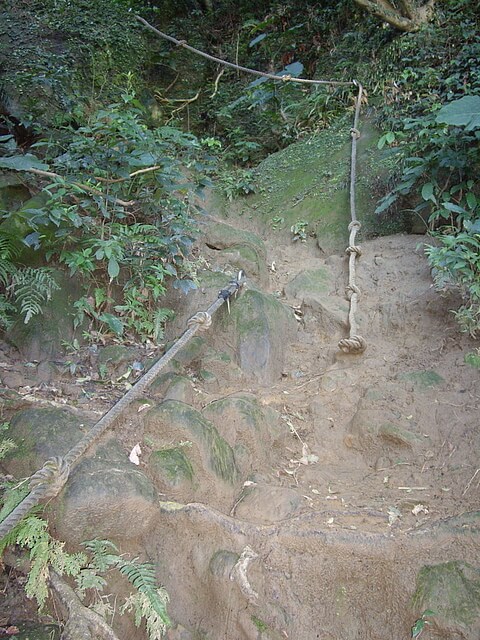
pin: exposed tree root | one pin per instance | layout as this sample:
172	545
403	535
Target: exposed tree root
83	623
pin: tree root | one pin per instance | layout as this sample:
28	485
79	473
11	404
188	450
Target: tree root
83	623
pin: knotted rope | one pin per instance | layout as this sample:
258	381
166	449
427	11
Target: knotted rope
48	481
354	343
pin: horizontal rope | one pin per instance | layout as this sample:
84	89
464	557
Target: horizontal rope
232	65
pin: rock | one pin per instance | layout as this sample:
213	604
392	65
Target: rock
247	426
115	359
106	497
374	429
219	235
246	257
170	467
40	434
172	386
311	288
222	563
192	351
264	327
174	421
266	504
452	591
13	379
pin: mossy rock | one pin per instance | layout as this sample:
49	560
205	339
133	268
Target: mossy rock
219	235
106	497
248	258
114	359
39	434
422	379
452	591
312	289
309	181
179	421
247	426
264	327
171	466
193	350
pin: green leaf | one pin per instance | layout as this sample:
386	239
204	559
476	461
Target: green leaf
113	268
22	163
427	191
462	112
471	200
114	323
418	627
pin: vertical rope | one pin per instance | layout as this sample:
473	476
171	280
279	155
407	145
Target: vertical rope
354	343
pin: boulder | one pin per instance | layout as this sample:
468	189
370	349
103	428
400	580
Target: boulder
106	497
247	426
267	504
312	289
264	328
210	457
451	591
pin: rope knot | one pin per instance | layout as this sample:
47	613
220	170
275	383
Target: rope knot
350	290
51	478
355	224
355	133
353	249
354	345
202	319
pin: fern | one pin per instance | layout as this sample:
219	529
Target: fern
141	605
30	289
102	558
153	604
6	445
149	602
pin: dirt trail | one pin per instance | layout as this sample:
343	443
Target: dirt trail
350	473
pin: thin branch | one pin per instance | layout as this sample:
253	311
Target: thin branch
130	175
80	185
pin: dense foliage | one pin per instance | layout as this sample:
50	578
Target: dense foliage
125	227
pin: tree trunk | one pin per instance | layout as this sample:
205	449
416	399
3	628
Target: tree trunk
405	15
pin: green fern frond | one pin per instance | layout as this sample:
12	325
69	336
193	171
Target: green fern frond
31	289
6	445
141	605
10	247
11	499
102	558
142	576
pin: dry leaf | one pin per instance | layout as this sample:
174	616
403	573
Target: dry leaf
134	454
419	508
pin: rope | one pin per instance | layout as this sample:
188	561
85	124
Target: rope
354	344
284	78
48	481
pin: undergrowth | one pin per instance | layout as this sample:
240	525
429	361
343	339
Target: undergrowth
89	569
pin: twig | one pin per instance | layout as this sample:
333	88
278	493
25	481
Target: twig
216	82
470	482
